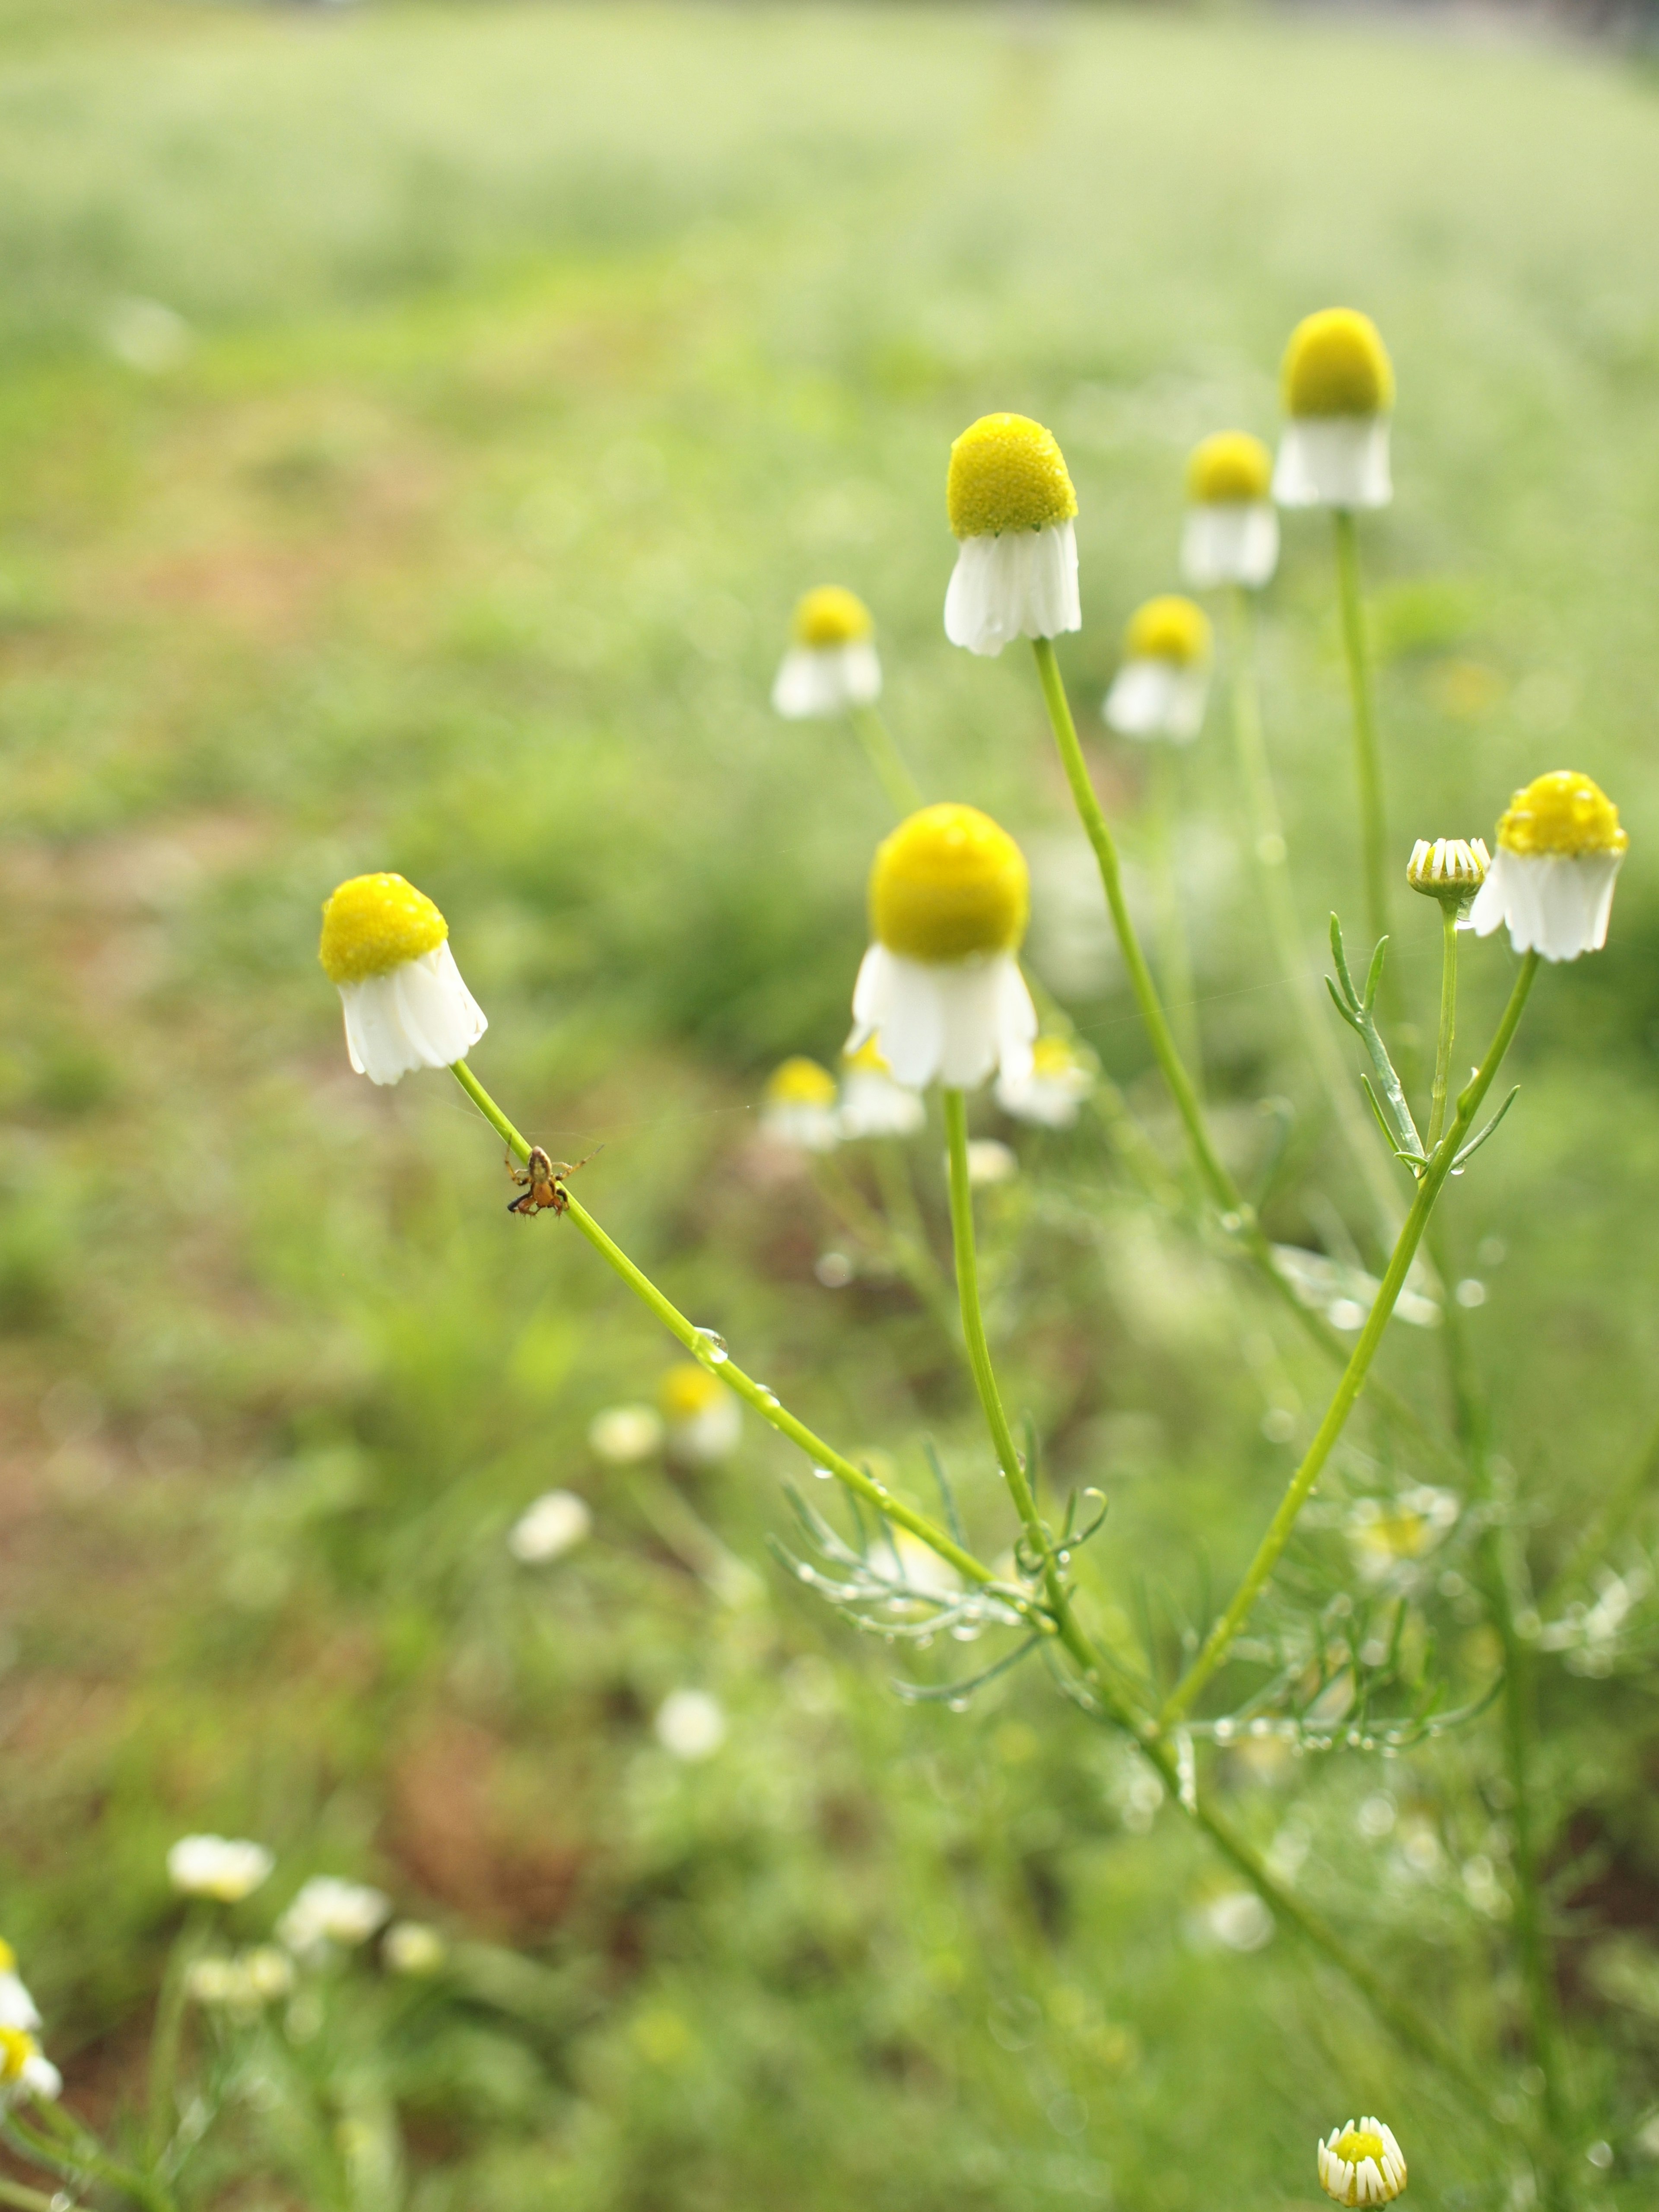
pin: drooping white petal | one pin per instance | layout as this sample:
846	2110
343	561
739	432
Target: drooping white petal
17	2007
802	1125
1231	541
41	2078
1334	460
1555	903
1152	698
815	682
950	1022
1017	583
419	1014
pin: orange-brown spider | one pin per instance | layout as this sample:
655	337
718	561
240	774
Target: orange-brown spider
543	1181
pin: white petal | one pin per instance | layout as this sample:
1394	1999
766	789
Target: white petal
1157	698
1334	460
1017	1021
41	2078
1233	541
817	681
1019	583
1555	903
17	2007
861	673
419	1014
874	1105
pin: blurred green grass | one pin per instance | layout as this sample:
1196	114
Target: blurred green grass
528	361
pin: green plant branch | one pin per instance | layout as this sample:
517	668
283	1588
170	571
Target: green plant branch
32	2200
904	1251
1220	1640
1374	835
881	750
753	1393
1448	1029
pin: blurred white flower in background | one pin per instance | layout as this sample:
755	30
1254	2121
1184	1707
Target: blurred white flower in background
410	1947
1240	1920
989	1161
624	1435
1050	1094
1231	535
798	1109
24	2071
832	664
17	2007
874	1104
244	1984
1163	685
329	1910
218	1867
555	1524
704	1420
147	335
691	1725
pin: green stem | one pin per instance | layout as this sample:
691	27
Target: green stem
166	2036
1174	951
1609	1523
1499	1578
1238	1219
1290	953
1220	1638
29	2200
1374	835
908	1254
697	1343
881	750
1448	1021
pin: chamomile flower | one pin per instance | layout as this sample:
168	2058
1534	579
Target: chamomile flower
1559	850
17	2007
411	1948
24	2071
1338	384
1231	535
939	991
555	1523
329	1911
218	1867
624	1435
704	1421
1011	507
1451	869
1051	1093
872	1104
800	1106
243	1985
831	663
385	945
1362	2165
1161	687
691	1725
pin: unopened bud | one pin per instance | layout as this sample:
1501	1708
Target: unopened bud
1451	869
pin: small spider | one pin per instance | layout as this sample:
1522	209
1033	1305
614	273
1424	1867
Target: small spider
542	1182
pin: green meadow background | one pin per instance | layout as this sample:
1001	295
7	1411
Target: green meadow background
416	425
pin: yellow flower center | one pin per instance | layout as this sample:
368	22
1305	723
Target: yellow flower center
8	1958
1355	2143
687	1390
1231	466
1169	628
1053	1058
1006	473
17	2049
1337	364
801	1082
949	884
1562	813
374	923
830	616
869	1059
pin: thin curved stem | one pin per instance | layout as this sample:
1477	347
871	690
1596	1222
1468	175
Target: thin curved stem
1448	1029
1175	949
1374	834
1220	1638
881	750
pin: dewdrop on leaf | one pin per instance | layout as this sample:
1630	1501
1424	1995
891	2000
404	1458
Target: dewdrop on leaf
1011	507
1163	684
387	947
939	991
872	1103
1338	384
1231	535
832	664
1560	851
1362	2165
799	1108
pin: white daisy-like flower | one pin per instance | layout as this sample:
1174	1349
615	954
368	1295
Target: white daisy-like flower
832	664
328	1911
243	1985
940	991
1560	851
1012	508
1163	684
17	2007
1051	1093
24	2070
800	1107
555	1524
1339	394
704	1421
1361	2164
412	1948
624	1435
871	1103
691	1725
1231	535
218	1867
385	945
1451	870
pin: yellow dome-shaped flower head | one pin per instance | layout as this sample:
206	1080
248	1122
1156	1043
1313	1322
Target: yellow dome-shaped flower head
1559	850
17	2047
831	615
386	947
1007	472
1362	2165
373	924
1336	363
1228	469
1168	629
801	1082
948	884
